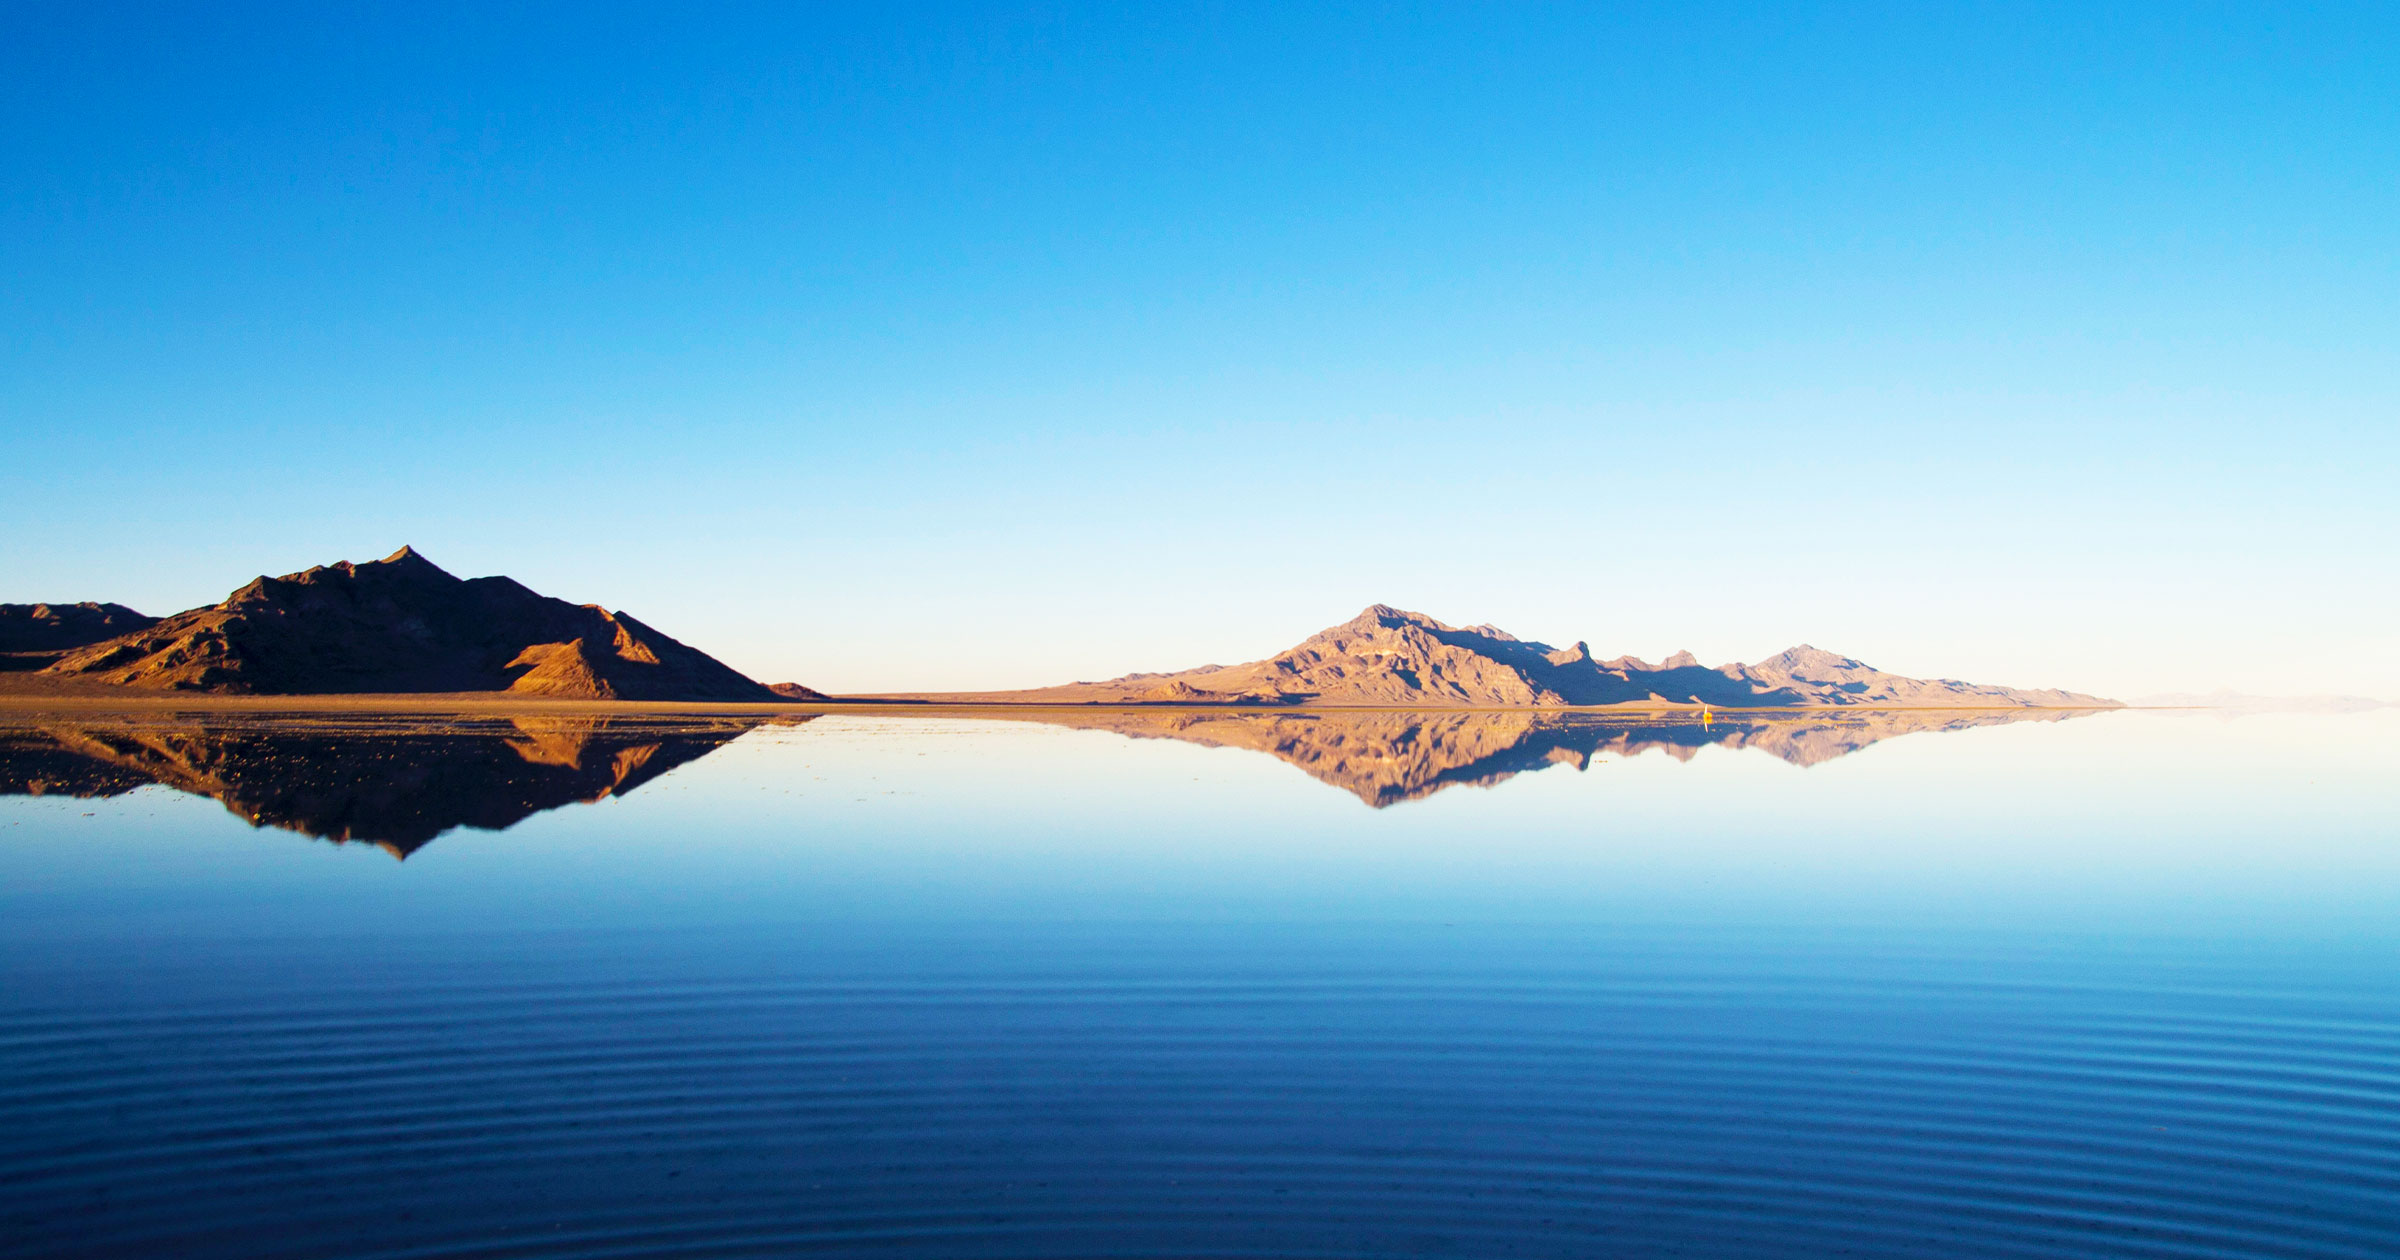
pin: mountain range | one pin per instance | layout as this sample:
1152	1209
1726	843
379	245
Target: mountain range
402	624
1387	657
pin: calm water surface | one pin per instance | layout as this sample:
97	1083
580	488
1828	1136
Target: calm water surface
2123	985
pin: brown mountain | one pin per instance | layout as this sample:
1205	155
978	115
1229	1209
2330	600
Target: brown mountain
1385	657
399	783
1388	757
397	786
401	624
32	635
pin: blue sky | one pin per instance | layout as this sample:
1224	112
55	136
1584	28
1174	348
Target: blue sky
988	347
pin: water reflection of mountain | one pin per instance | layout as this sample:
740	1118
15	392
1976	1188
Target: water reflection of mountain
397	785
1384	758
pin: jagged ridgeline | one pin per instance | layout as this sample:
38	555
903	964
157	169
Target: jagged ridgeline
1387	657
401	624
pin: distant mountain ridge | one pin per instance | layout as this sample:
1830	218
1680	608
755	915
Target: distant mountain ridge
1387	656
403	624
59	627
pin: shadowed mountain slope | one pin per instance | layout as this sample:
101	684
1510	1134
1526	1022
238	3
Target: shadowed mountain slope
1386	657
33	635
402	624
362	782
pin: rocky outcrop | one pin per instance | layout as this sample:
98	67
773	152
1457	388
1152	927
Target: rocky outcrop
1387	657
402	624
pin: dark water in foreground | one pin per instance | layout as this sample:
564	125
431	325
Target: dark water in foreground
2124	985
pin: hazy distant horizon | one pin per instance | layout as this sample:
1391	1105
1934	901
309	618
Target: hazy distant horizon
966	349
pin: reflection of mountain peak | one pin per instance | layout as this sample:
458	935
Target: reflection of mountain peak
1386	757
365	781
400	783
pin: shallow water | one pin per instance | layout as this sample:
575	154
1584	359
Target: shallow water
1137	984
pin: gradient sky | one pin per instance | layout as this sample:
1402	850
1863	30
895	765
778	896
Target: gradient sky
964	347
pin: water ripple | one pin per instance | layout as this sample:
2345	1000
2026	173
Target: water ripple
1301	1117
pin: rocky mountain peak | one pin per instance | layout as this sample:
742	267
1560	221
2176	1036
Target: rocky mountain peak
403	624
1390	657
1806	656
1575	655
1384	616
